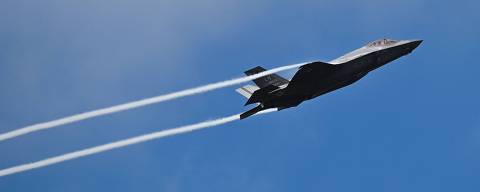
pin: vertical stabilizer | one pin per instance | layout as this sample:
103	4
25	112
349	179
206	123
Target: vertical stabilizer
265	81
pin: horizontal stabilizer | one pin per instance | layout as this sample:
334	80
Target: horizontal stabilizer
247	90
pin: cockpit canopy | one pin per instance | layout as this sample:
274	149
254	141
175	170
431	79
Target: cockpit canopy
382	42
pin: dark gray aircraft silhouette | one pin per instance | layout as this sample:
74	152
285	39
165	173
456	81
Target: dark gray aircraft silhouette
317	78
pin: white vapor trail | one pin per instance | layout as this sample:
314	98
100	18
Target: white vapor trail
139	103
122	143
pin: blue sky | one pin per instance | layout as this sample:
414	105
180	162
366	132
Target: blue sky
413	125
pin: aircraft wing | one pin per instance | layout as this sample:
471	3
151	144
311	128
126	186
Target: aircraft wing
318	68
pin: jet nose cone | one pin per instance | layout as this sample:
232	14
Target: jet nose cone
415	43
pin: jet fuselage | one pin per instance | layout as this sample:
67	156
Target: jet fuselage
317	78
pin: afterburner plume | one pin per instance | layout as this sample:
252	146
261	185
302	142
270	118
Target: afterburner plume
139	103
121	143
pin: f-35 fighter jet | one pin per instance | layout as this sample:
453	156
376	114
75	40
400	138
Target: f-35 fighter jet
317	78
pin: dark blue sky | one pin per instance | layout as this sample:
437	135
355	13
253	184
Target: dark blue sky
413	125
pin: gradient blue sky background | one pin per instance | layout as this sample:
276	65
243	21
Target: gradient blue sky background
413	125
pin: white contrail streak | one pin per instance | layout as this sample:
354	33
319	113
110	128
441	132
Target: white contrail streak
139	103
121	143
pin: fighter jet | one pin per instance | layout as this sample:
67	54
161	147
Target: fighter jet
317	78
